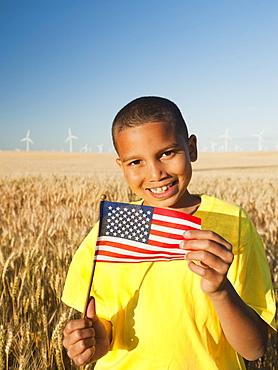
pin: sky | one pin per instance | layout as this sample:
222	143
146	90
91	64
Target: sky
75	63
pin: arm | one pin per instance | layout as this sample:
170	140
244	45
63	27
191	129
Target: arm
244	329
88	339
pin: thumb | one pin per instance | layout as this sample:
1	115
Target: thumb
91	309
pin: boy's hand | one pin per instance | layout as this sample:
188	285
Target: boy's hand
86	340
214	255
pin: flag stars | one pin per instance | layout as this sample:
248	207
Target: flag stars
130	222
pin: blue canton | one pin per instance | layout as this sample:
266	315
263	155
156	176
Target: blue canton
126	221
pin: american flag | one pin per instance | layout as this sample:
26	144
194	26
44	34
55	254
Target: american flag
137	233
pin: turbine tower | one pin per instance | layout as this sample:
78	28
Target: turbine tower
70	138
84	148
213	145
28	140
260	140
226	137
100	147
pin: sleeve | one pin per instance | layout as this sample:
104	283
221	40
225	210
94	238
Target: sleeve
253	281
79	273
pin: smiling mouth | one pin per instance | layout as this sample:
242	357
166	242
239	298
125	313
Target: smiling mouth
162	189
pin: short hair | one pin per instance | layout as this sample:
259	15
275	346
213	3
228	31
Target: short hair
148	109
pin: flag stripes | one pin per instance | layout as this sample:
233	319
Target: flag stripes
137	233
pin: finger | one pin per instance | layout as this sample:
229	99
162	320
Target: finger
84	357
206	235
220	250
213	278
74	325
210	261
77	336
210	253
80	346
91	309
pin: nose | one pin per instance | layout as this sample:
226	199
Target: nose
155	171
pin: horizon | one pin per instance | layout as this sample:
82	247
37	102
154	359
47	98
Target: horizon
22	163
255	142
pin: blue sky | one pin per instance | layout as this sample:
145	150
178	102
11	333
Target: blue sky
74	64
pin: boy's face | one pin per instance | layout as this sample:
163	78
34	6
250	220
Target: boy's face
156	162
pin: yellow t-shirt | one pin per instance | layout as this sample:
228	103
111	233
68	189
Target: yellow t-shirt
161	318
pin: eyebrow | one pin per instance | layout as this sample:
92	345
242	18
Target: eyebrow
171	146
131	158
165	149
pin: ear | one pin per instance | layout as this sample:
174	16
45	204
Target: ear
119	163
192	148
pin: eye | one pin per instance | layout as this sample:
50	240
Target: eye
135	163
168	153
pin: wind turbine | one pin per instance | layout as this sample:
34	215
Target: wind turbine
213	145
84	149
70	137
28	140
260	139
226	137
100	147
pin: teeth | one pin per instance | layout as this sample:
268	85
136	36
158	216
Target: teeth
161	190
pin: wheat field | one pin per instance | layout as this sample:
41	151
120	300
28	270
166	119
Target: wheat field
49	202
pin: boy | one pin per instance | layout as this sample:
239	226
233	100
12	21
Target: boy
205	314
